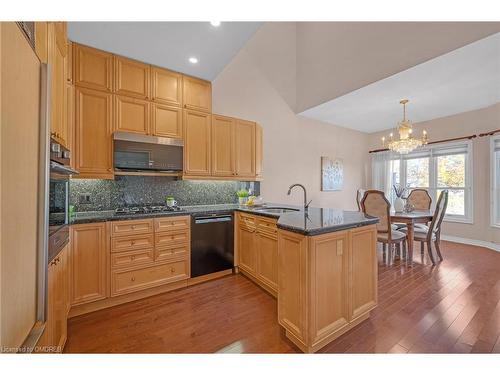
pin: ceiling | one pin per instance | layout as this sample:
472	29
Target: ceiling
463	80
168	44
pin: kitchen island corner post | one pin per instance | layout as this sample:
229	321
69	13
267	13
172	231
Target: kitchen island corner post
327	284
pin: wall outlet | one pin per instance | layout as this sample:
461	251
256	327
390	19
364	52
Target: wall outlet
84	198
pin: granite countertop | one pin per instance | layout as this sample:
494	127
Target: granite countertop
315	221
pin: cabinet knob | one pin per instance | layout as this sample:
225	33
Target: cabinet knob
132	278
132	257
132	242
133	227
172	238
172	251
172	270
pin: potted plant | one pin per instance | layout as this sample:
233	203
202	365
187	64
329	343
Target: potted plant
399	203
242	196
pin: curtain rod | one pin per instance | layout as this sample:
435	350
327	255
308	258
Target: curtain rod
435	142
489	133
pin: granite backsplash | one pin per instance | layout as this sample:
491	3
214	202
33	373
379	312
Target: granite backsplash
96	195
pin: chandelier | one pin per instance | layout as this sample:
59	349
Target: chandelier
406	143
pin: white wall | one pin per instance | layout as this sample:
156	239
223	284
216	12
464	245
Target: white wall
260	85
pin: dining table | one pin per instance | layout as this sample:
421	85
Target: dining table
410	219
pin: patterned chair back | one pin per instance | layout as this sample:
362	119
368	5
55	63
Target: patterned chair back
374	203
420	199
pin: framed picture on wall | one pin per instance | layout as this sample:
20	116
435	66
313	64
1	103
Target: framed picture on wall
332	174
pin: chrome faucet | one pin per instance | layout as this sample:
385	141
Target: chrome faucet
306	203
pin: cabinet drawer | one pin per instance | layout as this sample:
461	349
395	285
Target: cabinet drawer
172	252
247	221
126	228
132	258
128	281
163	239
172	223
267	226
143	241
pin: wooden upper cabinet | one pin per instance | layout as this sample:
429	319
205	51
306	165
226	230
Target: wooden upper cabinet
41	41
197	94
167	86
92	68
166	121
56	60
259	151
89	263
245	148
197	145
132	78
61	37
93	130
69	62
131	115
223	161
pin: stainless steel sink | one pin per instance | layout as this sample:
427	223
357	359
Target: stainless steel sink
277	210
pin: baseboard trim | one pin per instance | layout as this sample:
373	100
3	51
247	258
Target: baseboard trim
473	242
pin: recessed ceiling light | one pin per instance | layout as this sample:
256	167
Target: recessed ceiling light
215	23
193	60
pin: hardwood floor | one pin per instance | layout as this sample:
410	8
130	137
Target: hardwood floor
451	308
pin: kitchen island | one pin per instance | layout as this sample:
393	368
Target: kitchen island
327	274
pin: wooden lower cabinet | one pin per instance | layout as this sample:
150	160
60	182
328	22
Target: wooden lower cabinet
55	333
327	284
118	259
89	268
127	281
257	248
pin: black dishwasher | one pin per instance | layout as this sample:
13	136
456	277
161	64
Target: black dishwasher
212	243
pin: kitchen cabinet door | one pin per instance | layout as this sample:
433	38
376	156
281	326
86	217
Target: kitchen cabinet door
92	68
167	86
93	133
132	78
132	115
166	120
223	161
197	94
245	148
197	143
246	250
364	270
55	333
56	59
267	253
329	273
259	151
89	263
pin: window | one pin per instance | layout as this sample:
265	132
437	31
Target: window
442	167
495	181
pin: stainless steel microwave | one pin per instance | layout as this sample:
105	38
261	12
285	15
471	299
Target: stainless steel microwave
138	152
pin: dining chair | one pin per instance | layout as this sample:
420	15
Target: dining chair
420	199
359	195
374	203
427	235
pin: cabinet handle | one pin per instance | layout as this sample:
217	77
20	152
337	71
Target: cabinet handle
132	242
172	269
132	257
132	278
172	251
133	227
172	223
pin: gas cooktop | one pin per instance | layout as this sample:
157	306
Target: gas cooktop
146	209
